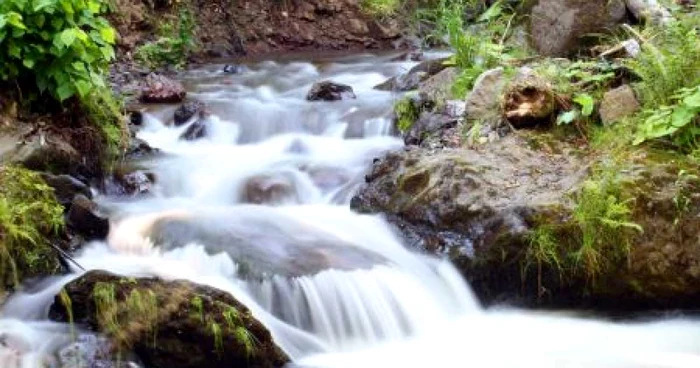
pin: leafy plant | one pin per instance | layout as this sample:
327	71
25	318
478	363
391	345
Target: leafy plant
678	121
168	50
669	61
406	114
584	108
29	214
64	44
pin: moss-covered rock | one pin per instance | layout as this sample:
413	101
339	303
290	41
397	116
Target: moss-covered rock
30	219
544	225
169	323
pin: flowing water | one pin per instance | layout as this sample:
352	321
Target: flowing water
335	288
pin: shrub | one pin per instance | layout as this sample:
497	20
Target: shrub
29	213
64	44
167	50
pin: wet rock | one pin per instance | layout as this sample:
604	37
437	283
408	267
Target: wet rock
66	187
413	78
330	91
234	69
270	189
438	88
160	89
484	101
83	219
481	209
618	103
129	181
173	325
187	110
91	351
410	56
557	26
197	130
138	148
472	206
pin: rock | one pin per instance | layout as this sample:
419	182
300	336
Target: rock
139	148
127	181
618	103
483	210
414	77
557	26
234	69
186	111
438	88
270	189
160	89
416	55
330	91
197	130
66	187
431	123
529	100
90	351
650	11
83	219
484	101
45	151
177	323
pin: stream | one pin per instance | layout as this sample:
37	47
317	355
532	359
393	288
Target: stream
335	288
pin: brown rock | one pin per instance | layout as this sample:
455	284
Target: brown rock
160	89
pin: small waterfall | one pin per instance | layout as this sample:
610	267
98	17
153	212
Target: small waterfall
258	208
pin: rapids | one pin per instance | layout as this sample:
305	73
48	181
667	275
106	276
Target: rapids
335	288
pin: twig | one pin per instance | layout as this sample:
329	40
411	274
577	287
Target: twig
65	255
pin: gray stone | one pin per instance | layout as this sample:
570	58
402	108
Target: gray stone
484	101
618	103
556	26
438	88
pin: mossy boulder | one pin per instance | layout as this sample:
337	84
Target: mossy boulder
537	223
30	222
169	323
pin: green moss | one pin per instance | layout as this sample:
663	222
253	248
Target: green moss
380	7
174	44
29	216
406	114
106	112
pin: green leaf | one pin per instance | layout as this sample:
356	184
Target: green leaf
108	34
682	116
41	4
15	20
65	91
693	100
586	102
29	63
83	88
67	37
492	12
567	117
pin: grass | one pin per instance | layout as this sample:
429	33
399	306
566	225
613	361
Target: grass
596	238
173	45
29	216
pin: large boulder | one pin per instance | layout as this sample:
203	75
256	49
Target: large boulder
83	218
157	88
169	323
557	26
484	100
66	187
618	103
330	91
509	218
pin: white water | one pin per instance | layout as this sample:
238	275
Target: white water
335	288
